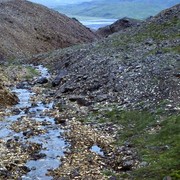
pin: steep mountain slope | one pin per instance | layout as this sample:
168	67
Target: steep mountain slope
133	67
138	9
27	28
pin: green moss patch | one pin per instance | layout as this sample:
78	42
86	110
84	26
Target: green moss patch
155	137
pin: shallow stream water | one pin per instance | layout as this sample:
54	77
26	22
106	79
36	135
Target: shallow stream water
27	112
52	143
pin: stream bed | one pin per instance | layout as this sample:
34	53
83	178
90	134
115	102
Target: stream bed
45	132
33	144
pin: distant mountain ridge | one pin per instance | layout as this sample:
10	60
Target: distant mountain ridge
138	9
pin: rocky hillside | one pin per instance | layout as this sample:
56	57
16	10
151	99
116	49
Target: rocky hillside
126	85
27	28
117	26
137	67
116	103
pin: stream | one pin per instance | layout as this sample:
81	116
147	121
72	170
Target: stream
31	123
51	141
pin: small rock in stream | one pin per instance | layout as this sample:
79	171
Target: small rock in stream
16	111
38	156
42	80
59	120
22	85
28	133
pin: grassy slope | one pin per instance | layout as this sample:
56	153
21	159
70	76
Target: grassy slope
115	9
154	135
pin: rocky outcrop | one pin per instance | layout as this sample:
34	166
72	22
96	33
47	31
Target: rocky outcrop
7	98
120	24
27	28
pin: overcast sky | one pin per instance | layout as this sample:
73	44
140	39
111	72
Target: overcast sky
52	3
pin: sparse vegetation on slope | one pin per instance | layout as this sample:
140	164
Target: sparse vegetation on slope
155	136
6	98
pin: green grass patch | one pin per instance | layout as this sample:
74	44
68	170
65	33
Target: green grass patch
31	72
156	138
175	49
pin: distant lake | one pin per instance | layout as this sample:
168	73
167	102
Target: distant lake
97	23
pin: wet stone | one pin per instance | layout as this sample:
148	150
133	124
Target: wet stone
127	165
23	85
16	111
113	178
59	120
42	80
38	156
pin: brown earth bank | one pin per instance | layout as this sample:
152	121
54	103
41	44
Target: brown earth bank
27	28
6	97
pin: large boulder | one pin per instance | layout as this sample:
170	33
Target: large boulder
28	28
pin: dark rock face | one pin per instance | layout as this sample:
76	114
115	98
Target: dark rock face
27	28
120	24
57	80
42	80
81	100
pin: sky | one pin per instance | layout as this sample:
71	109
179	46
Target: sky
51	3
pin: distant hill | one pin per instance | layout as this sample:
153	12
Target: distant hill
119	25
27	28
138	9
